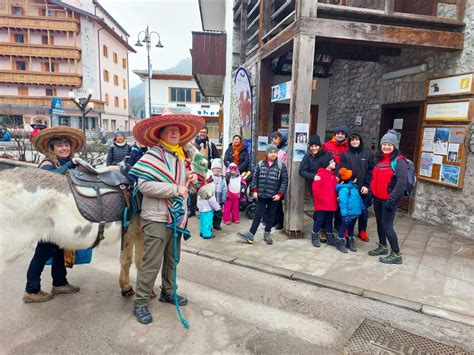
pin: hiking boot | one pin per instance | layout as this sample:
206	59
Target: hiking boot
315	240
67	289
267	239
322	236
393	258
182	301
143	315
247	236
217	228
380	250
279	227
350	244
41	296
340	245
330	239
363	236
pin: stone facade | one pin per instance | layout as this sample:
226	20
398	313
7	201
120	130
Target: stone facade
357	88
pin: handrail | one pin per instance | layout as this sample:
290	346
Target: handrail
292	14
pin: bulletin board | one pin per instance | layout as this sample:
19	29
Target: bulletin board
443	154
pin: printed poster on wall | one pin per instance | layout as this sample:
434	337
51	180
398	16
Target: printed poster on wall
441	139
426	164
243	89
301	141
457	135
262	143
428	139
450	174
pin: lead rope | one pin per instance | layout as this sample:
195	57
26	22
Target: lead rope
183	321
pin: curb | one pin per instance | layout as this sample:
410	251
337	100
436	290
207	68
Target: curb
320	282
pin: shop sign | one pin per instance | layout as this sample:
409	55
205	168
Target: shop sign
448	111
281	92
453	85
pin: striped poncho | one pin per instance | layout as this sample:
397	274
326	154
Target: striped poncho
156	166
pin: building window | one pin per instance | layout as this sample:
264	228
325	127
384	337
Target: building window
65	121
116	101
23	91
50	67
17	10
19	38
106	75
116	80
105	124
48	13
106	99
51	92
124	84
115	58
113	125
125	104
180	95
124	63
106	51
44	40
20	65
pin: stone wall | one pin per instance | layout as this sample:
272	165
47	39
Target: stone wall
357	88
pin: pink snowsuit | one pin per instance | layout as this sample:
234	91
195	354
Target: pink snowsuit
231	205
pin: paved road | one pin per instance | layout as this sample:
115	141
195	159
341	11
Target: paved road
232	310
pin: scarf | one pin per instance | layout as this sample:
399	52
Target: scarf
176	149
155	166
237	150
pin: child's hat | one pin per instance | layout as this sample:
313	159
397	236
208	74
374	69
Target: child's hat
232	167
326	159
271	147
345	174
216	163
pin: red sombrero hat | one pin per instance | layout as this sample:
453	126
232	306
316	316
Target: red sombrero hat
41	139
146	131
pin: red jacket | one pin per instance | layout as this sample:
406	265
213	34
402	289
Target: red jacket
324	191
381	178
336	149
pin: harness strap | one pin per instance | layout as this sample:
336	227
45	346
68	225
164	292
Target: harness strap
100	235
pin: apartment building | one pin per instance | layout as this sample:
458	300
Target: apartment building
180	93
50	48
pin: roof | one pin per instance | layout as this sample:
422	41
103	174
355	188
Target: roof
93	17
110	17
165	75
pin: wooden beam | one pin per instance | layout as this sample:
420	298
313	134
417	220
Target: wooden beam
305	8
264	96
264	20
389	7
300	112
349	31
243	32
279	44
460	10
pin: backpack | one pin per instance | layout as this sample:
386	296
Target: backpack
411	175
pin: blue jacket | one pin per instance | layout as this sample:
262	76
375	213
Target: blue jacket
350	202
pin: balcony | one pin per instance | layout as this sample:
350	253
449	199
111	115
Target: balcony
40	23
43	102
39	51
38	78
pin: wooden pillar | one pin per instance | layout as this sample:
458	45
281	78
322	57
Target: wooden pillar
243	31
264	100
300	112
389	7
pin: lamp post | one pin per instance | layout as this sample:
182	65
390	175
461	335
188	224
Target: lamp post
84	105
147	39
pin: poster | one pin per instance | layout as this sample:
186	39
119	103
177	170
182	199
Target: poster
398	123
281	92
428	139
437	159
285	119
450	174
453	152
301	141
457	135
426	164
262	143
441	141
243	90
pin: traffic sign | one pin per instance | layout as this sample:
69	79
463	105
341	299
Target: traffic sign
56	103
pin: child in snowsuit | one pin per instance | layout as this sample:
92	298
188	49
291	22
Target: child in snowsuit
221	191
206	214
351	206
231	205
325	200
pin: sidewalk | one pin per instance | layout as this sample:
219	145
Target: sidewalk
436	277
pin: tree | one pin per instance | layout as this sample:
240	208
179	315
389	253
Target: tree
137	100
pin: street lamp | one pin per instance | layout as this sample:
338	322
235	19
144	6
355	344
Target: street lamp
84	105
147	39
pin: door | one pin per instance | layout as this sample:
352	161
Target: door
409	117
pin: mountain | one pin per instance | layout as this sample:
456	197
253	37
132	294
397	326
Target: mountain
185	66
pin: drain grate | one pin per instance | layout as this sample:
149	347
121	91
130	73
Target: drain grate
377	338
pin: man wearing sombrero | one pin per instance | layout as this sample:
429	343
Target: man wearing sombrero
58	144
163	174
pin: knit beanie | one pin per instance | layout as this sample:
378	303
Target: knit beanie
345	174
344	129
326	160
216	163
271	147
119	133
391	137
314	140
232	167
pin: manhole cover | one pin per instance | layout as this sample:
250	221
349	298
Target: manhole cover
377	338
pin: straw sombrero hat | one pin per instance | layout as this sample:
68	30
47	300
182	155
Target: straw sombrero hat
42	138
146	131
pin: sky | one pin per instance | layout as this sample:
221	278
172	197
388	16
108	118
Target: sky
172	19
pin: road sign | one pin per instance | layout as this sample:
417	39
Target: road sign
57	112
56	103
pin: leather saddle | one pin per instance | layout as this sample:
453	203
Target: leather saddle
100	197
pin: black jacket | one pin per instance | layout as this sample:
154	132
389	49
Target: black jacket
269	180
244	159
212	150
310	164
361	162
116	153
